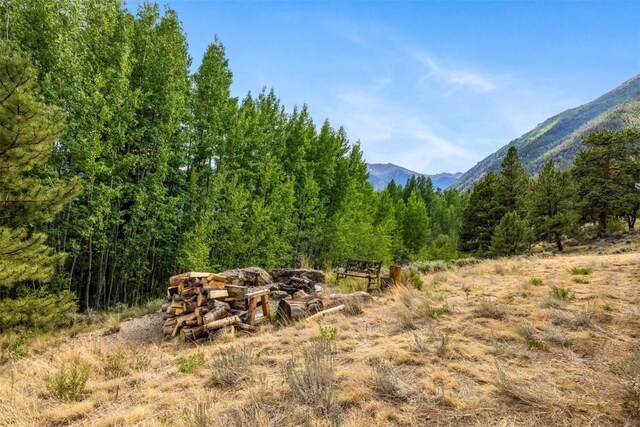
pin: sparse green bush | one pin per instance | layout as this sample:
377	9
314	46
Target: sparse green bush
311	381
464	262
580	280
328	334
529	334
12	347
37	310
561	294
583	271
198	416
488	308
231	367
192	363
412	277
68	384
115	365
534	281
429	266
387	383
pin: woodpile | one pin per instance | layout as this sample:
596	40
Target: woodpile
204	304
201	304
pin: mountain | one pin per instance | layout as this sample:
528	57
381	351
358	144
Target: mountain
560	137
381	174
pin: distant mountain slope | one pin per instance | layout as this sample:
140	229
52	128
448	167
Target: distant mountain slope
560	137
381	174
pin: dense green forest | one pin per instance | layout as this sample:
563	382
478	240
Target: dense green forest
121	167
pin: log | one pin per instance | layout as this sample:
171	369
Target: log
215	314
321	314
213	277
290	310
284	274
218	293
194	333
217	324
245	327
250	276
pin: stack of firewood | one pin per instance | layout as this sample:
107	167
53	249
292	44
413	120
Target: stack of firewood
197	307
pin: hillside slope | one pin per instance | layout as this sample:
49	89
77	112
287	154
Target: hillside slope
381	174
481	345
559	138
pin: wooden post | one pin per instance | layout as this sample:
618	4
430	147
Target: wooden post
266	311
395	271
253	303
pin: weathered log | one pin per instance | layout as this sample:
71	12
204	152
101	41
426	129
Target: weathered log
215	314
323	313
250	276
283	274
290	310
194	333
355	297
217	324
395	272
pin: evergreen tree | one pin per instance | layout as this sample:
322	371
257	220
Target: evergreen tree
512	235
480	216
551	205
512	184
604	173
28	130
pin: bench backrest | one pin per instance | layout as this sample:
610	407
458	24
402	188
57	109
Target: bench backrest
363	266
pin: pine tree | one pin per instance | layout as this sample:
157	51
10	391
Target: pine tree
28	130
512	235
512	183
551	205
604	173
480	216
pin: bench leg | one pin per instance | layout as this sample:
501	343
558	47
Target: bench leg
264	301
253	303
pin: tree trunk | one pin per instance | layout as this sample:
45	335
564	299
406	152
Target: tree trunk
559	242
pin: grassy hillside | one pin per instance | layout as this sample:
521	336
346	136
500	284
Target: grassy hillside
560	137
533	341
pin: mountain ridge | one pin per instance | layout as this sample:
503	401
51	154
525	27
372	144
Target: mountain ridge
380	174
559	137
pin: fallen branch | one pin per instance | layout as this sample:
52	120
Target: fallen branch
321	314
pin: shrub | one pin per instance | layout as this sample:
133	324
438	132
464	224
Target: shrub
464	262
529	334
113	323
561	294
534	281
199	416
69	382
12	347
311	381
412	277
386	382
583	271
488	308
429	266
580	280
115	365
328	334
230	368
192	363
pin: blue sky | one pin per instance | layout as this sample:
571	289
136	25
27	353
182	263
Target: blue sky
433	86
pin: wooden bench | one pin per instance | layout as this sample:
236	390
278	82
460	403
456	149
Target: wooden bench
361	268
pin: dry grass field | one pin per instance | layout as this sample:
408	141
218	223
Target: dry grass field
531	341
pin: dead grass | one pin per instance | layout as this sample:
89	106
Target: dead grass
480	345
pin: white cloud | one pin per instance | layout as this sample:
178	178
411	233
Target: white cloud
451	76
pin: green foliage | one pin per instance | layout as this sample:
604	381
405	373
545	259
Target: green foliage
584	271
412	278
40	310
535	281
192	363
480	216
551	205
328	334
13	347
69	382
561	294
512	235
